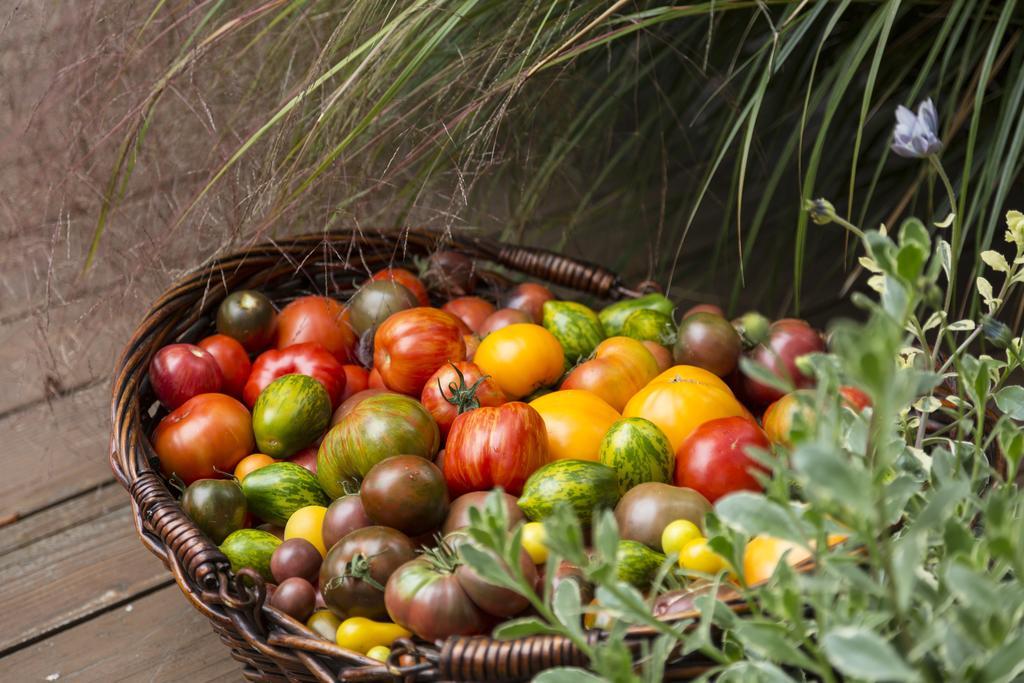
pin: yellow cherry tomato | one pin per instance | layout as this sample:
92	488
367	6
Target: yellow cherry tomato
362	634
763	554
691	373
325	624
677	534
521	358
307	523
379	652
679	407
698	556
250	463
576	422
533	542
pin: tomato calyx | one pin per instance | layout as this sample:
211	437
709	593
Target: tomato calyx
462	397
443	557
357	568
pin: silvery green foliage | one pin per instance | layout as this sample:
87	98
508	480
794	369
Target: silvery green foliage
927	585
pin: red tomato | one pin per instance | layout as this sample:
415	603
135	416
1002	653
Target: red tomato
232	360
374	381
713	459
529	297
204	437
180	371
412	344
503	317
456	388
307	458
471	310
317	319
357	378
788	339
855	398
407	280
300	359
490	447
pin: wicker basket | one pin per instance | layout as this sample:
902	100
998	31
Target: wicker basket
269	644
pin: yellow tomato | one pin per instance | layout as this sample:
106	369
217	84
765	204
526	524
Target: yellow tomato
763	554
576	422
698	556
595	617
379	652
521	358
250	463
691	373
362	634
679	407
324	623
779	417
307	523
677	534
533	542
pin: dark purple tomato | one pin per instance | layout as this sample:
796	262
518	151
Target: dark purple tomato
179	372
295	597
708	341
344	515
405	492
704	308
376	300
217	506
450	273
296	557
249	317
529	297
492	599
357	568
458	513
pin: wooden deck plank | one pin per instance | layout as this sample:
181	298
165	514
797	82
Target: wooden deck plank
159	637
54	450
80	509
72	575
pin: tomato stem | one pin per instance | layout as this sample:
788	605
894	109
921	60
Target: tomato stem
462	397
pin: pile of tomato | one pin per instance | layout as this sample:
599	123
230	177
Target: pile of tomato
337	447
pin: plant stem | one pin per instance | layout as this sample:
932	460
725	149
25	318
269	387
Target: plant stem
937	165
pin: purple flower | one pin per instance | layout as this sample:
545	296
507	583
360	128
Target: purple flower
917	136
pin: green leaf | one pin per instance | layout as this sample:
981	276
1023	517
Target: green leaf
566	606
771	641
863	654
567	674
760	373
753	514
1011	401
833	476
753	672
606	534
972	589
995	261
488	567
521	628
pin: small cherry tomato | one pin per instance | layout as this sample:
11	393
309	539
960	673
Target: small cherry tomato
317	319
307	523
379	652
407	280
325	624
232	360
697	556
534	538
677	534
250	463
788	340
781	416
249	317
764	553
521	358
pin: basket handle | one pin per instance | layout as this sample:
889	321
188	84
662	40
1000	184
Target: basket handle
481	658
562	270
200	559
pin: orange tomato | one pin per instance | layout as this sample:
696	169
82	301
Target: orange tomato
521	358
853	397
763	554
779	417
621	367
576	422
317	319
250	463
679	406
357	378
